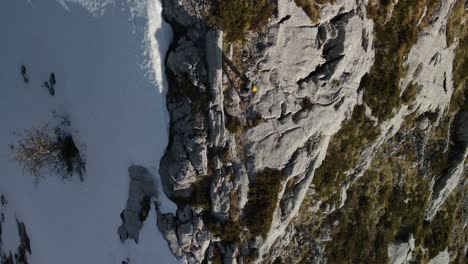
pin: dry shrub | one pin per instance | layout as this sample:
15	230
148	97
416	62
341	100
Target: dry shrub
39	149
236	17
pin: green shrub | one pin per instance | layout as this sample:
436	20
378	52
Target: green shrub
381	208
312	8
235	17
228	231
306	103
233	124
200	196
393	40
409	95
377	212
263	198
344	151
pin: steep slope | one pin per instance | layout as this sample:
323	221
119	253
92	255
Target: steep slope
315	130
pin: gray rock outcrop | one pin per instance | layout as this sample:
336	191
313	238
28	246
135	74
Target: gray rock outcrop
308	76
187	235
291	136
142	190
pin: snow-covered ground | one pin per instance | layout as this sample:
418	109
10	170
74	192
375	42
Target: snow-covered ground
107	58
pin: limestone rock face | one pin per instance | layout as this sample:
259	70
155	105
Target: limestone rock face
142	189
442	258
186	155
400	252
219	194
308	76
187	235
444	185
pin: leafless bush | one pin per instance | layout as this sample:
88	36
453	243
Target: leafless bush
38	148
35	150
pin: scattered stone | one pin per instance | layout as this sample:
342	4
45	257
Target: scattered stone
50	85
24	74
49	88
142	190
52	81
3	200
25	244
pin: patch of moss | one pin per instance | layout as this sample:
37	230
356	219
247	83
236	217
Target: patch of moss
457	30
200	196
379	211
263	198
251	257
437	232
312	8
306	103
233	124
387	204
228	231
409	94
394	37
236	17
343	153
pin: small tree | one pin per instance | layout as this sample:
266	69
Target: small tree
38	149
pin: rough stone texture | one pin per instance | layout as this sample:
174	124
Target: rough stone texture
290	137
293	137
167	227
186	155
400	252
189	239
214	43
430	65
446	183
308	77
142	189
442	258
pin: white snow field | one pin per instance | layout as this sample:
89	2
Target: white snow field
107	57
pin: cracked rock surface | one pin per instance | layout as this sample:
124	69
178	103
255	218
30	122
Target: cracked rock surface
224	137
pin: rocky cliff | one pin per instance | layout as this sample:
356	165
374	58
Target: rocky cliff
334	131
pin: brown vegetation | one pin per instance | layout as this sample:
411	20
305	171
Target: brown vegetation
394	37
263	200
38	149
312	7
236	17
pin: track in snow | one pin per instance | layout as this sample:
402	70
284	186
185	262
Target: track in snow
106	58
